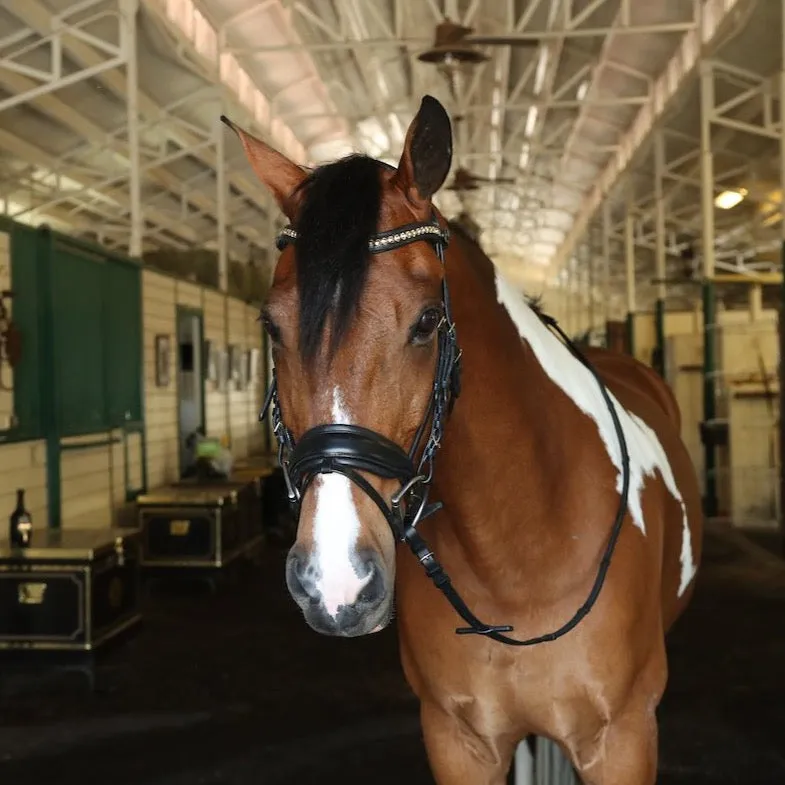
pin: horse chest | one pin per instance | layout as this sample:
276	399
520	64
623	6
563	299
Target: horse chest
436	660
492	690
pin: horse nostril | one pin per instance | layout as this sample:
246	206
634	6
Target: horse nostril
373	590
300	577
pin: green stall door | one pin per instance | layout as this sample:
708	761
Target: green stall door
97	340
123	343
78	336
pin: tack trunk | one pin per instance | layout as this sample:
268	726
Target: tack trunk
71	590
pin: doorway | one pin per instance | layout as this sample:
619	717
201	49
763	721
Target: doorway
190	385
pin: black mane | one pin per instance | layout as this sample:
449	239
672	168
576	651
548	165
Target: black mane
339	213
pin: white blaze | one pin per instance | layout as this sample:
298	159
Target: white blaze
644	448
336	528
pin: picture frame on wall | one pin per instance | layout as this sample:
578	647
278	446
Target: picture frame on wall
223	369
243	381
163	360
236	366
253	367
211	361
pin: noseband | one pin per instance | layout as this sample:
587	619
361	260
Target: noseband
350	449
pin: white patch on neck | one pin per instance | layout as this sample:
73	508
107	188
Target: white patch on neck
644	448
336	528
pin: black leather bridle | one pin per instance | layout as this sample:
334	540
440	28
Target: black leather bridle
351	449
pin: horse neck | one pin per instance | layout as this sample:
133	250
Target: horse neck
504	469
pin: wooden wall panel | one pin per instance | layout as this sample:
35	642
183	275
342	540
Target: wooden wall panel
238	394
23	465
214	331
258	387
189	294
158	309
87	478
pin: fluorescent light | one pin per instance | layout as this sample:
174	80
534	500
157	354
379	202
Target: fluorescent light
531	121
525	151
540	71
728	199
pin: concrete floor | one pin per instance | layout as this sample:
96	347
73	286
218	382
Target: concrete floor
233	688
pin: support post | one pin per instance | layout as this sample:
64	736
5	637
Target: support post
658	360
575	303
129	11
629	269
755	302
605	287
781	331
270	260
49	413
590	278
562	293
221	217
222	192
782	289
709	304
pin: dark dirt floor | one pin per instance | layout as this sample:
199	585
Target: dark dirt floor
233	688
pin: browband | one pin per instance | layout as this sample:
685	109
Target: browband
385	241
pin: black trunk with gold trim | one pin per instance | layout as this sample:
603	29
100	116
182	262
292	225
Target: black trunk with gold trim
72	590
190	525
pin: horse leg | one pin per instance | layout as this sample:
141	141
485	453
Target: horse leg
458	754
624	753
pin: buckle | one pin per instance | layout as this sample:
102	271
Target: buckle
397	497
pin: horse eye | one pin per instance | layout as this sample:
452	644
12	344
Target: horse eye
271	328
426	325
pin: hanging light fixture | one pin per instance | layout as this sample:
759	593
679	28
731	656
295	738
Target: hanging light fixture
450	52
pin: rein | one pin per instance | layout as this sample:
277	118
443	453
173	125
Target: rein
351	449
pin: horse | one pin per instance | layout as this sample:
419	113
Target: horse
421	403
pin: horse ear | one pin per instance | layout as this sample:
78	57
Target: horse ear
278	173
427	152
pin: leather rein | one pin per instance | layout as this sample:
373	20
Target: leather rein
350	449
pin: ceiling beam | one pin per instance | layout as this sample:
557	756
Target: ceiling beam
37	17
715	19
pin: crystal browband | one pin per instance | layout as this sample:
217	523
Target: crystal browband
384	240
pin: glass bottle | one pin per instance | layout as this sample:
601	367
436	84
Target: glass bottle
20	524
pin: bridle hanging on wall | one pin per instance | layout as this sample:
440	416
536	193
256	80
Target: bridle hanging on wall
10	339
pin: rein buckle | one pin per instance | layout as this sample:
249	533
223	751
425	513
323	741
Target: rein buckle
397	497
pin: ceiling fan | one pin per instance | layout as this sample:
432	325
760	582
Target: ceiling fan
454	44
464	180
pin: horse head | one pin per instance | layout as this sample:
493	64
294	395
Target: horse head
365	362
